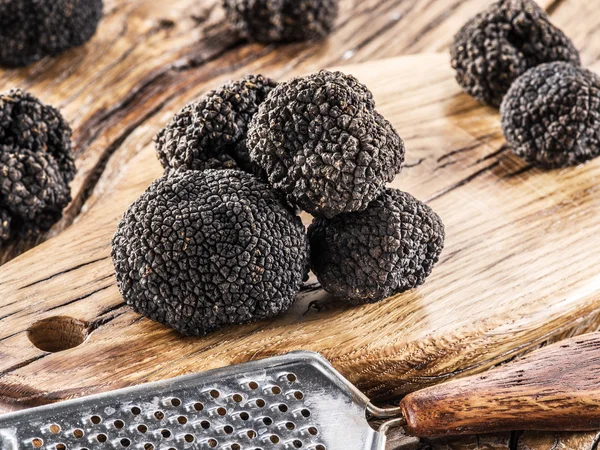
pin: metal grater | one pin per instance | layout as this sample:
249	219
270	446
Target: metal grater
294	401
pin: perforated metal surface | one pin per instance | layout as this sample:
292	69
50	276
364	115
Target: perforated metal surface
295	401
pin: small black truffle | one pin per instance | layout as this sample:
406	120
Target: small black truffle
388	248
31	30
36	165
200	250
282	20
320	141
498	45
551	115
211	133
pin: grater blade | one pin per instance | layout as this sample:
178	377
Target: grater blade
294	401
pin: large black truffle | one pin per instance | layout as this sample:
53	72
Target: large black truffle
551	115
320	140
36	165
200	250
30	30
388	248
211	133
498	45
282	20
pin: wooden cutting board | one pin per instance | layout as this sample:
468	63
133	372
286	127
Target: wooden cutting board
520	267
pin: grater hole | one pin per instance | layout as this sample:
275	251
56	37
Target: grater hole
267	421
60	447
276	390
125	442
235	447
290	426
54	428
320	447
283	408
78	433
291	377
166	434
237	398
274	439
221	411
118	424
182	420
305	413
189	438
96	419
205	424
251	434
298	395
253	385
37	442
136	411
214	393
142	428
313	431
260	403
212	443
101	438
175	402
198	406
57	333
148	446
297	443
228	429
244	416
159	415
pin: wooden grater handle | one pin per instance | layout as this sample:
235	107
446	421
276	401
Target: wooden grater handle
554	388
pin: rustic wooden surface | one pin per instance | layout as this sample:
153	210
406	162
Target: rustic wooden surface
150	58
553	388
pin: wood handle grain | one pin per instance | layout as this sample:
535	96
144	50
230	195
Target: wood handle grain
554	388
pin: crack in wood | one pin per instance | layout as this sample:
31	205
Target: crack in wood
62	272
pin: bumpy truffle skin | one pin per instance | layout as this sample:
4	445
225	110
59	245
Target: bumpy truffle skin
320	140
498	45
200	250
388	248
282	20
211	133
551	115
36	165
32	29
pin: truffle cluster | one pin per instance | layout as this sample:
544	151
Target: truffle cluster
216	241
281	20
369	255
31	30
211	133
498	45
551	115
321	142
202	250
36	165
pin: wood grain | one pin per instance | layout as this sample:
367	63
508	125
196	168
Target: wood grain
554	388
150	58
494	294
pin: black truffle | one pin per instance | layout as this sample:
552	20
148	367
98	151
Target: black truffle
211	133
551	115
30	30
36	165
282	20
498	45
320	140
388	248
200	250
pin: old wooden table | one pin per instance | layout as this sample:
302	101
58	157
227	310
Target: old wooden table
150	58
